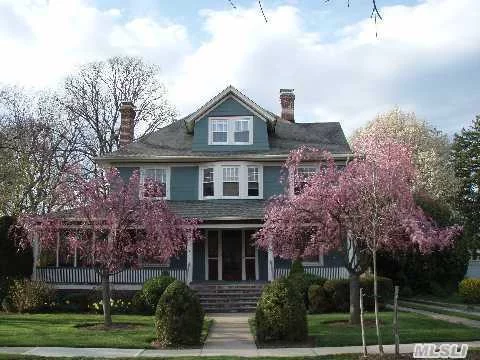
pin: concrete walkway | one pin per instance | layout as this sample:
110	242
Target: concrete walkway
229	334
439	306
278	352
434	315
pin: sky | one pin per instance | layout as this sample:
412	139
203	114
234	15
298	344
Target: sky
425	59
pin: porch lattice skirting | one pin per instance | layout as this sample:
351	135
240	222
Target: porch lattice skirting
321	271
89	276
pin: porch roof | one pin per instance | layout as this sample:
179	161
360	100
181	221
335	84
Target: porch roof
219	209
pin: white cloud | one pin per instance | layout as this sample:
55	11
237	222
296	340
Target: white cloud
349	80
57	35
425	58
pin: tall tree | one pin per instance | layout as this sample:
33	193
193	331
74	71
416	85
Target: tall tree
93	95
431	148
37	145
115	226
466	158
358	209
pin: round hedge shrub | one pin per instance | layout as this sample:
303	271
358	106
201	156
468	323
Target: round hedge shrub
318	300
281	313
153	288
469	290
339	293
297	267
179	316
302	282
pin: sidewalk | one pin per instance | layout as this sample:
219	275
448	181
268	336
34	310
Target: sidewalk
434	315
279	352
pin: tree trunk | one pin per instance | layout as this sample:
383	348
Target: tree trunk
364	344
354	298
395	323
107	313
375	297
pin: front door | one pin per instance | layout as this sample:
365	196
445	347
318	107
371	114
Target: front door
232	255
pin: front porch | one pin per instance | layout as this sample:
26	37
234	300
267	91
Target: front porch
226	254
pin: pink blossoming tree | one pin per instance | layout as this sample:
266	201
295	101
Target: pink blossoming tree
358	208
114	226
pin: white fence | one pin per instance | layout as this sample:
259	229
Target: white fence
89	276
320	271
473	270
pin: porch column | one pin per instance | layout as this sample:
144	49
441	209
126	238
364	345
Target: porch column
189	261
271	264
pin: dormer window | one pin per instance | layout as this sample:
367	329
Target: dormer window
232	130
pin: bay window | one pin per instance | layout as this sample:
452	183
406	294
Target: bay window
231	184
231	180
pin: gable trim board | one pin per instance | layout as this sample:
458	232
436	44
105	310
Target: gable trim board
230	92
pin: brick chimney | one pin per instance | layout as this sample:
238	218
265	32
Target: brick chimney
127	123
287	100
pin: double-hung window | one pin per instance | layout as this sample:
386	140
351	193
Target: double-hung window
231	184
304	173
208	182
219	131
233	130
253	185
157	178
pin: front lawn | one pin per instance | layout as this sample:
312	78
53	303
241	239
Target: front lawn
70	330
413	328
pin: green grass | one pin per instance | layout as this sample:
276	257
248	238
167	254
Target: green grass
412	328
454	298
64	330
326	357
463	314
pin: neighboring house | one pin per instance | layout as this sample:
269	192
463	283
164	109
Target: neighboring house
220	164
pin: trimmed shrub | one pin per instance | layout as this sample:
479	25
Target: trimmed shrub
339	293
297	267
281	313
139	305
318	300
469	290
25	295
385	291
179	316
302	282
153	289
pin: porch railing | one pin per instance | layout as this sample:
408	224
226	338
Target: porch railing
473	270
81	275
321	271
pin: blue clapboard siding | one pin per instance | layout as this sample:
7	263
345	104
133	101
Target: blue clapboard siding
262	265
230	107
126	172
179	262
282	263
333	259
198	261
184	183
271	181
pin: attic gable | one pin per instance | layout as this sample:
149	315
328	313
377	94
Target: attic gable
231	93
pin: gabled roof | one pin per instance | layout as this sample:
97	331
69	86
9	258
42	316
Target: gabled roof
173	143
231	91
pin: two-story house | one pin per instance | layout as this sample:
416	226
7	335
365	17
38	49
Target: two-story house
220	164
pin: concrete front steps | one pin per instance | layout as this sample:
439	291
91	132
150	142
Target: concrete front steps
222	297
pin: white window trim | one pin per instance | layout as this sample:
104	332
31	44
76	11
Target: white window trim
218	180
231	130
167	184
